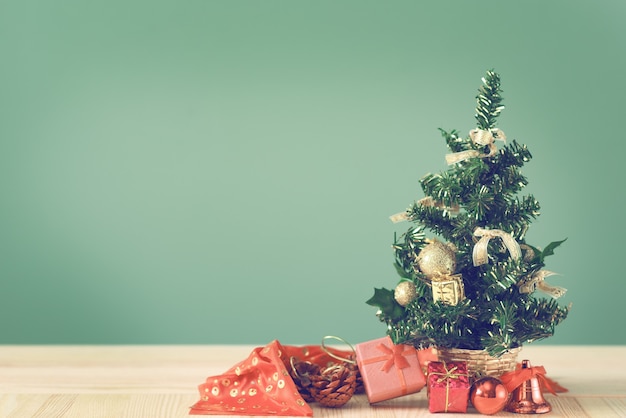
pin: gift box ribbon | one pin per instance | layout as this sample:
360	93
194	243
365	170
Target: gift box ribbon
448	376
445	291
392	356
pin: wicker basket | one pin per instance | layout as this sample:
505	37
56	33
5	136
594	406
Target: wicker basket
479	362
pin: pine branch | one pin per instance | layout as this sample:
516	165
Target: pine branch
406	249
488	101
438	221
518	215
511	155
538	319
454	141
502	336
447	325
443	187
496	282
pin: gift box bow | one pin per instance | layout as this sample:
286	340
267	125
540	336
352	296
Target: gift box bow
452	377
392	356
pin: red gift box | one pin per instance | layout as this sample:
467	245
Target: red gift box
389	370
448	386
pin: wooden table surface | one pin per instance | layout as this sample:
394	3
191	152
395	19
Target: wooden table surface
161	381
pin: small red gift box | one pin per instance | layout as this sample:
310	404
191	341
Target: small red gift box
389	370
448	386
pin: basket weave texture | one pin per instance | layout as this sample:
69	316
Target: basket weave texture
479	362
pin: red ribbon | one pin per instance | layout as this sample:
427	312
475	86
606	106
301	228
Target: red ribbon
514	379
394	357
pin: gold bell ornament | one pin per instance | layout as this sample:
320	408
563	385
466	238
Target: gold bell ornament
526	395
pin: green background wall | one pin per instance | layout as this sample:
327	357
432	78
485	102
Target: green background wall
223	171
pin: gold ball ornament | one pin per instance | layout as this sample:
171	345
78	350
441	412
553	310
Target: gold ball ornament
404	293
437	259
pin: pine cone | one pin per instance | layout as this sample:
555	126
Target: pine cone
360	386
301	373
334	386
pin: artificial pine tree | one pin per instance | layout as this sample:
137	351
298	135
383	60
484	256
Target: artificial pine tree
473	284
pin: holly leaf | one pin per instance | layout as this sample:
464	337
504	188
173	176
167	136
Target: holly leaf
549	250
384	300
401	272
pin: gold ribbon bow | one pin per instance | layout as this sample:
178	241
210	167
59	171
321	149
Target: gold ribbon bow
479	137
480	255
536	281
449	374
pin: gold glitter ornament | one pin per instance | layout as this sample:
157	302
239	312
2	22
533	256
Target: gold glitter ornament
436	260
405	292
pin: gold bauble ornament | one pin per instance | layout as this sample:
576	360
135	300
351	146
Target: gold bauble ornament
405	292
437	259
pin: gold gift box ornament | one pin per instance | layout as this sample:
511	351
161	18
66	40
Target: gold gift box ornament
448	290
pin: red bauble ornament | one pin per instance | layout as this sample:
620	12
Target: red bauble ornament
488	395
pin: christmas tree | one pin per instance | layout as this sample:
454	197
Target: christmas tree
472	284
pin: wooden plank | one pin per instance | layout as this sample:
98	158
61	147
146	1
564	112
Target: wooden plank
161	381
609	407
18	405
166	405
